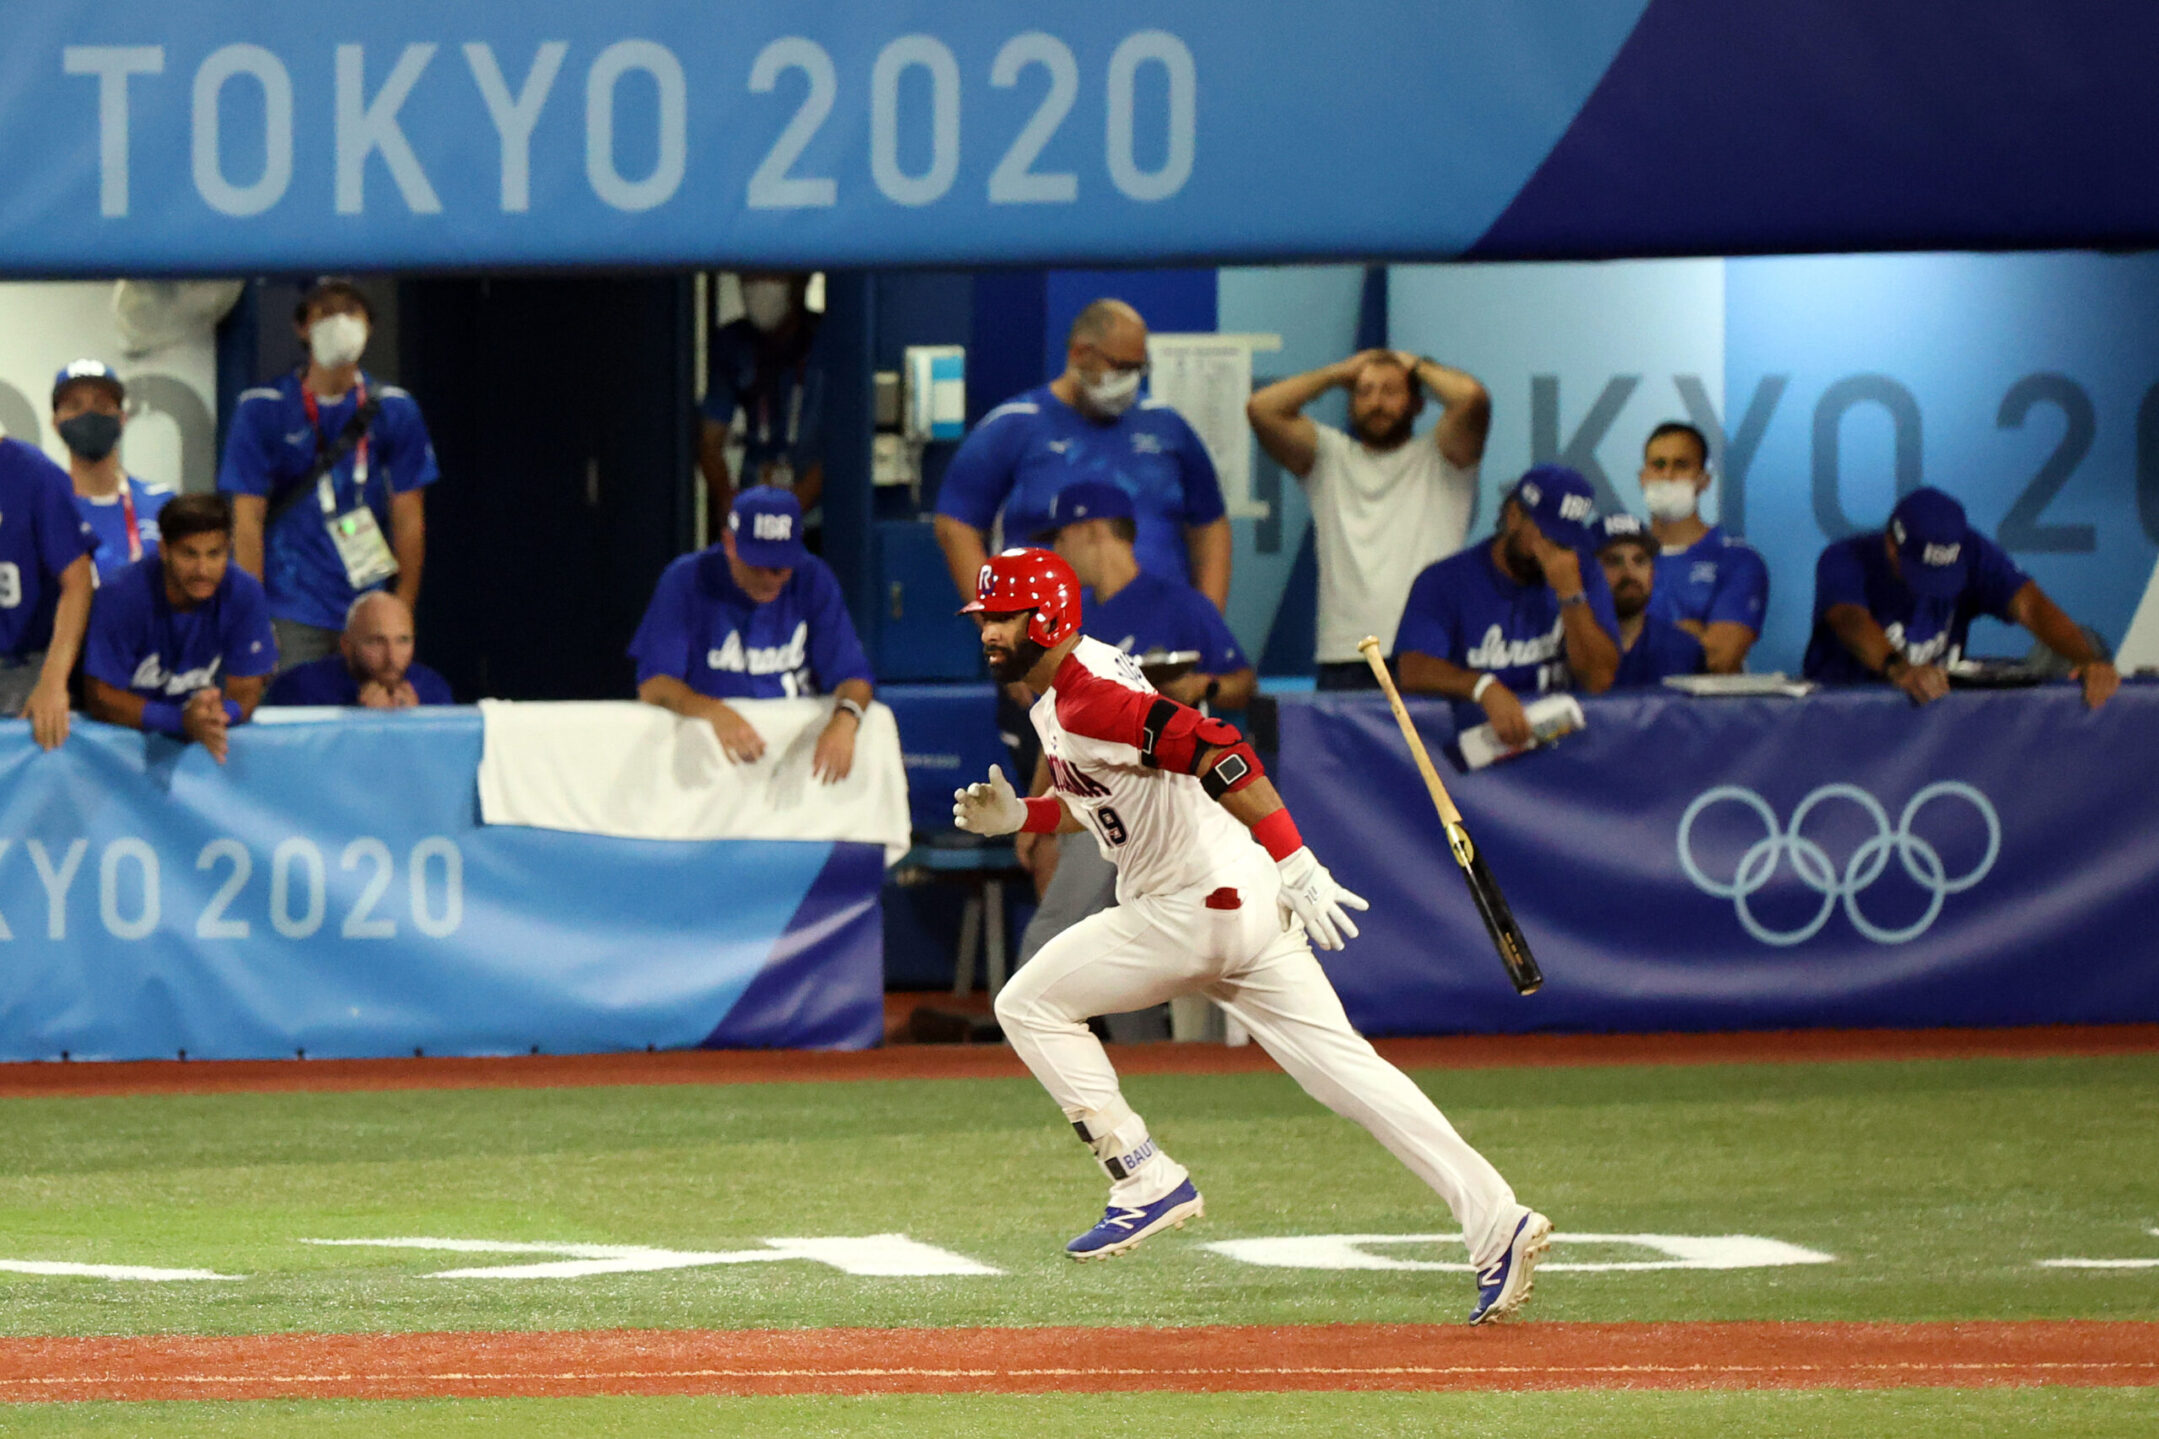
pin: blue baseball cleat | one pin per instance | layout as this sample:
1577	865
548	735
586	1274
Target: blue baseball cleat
1122	1228
1503	1285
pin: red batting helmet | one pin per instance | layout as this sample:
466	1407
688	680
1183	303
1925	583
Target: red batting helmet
1035	580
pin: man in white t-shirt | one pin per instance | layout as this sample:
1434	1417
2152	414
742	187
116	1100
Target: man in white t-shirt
1385	504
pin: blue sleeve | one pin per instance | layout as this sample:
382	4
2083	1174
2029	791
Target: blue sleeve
1429	618
981	472
407	451
835	650
1219	653
1995	578
1599	595
1838	579
661	645
431	687
247	467
1742	593
63	536
1202	486
250	646
723	360
1687	655
115	643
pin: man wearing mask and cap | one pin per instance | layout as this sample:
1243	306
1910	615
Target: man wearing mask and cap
1650	646
89	410
326	470
46	580
1525	613
768	368
1711	584
1897	604
1090	423
756	616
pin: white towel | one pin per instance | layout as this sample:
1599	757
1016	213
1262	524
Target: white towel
640	772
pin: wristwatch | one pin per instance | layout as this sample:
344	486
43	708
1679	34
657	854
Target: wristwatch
853	707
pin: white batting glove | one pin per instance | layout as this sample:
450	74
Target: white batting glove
989	808
1311	894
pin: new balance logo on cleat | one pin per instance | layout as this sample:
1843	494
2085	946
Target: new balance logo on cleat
1123	1228
1503	1285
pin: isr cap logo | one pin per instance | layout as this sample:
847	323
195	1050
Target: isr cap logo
772	527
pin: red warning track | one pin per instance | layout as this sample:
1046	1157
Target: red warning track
995	1061
1019	1361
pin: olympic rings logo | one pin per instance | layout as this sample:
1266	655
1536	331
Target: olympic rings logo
1811	863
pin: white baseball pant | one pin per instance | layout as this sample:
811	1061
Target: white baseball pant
1153	947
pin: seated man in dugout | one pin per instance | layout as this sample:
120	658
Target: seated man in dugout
180	641
1650	646
373	667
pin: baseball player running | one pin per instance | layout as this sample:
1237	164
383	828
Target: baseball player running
1215	893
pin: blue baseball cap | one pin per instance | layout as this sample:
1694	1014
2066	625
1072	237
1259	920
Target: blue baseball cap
1933	541
1089	500
1563	504
767	525
97	372
1624	528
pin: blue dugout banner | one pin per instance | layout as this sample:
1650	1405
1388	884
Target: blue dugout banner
197	135
330	889
1842	860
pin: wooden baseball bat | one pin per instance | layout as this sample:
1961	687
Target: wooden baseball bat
1492	906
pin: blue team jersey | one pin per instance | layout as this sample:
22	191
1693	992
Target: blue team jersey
1662	648
1856	571
1030	447
1155	613
780	396
327	682
139	642
106	519
40	536
1468	611
1719	577
702	629
272	445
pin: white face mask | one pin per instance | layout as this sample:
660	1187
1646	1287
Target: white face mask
336	340
767	302
1111	392
1669	499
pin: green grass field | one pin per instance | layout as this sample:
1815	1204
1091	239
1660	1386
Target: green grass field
1937	1186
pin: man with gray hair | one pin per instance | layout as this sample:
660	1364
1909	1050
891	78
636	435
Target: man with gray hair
373	667
1090	423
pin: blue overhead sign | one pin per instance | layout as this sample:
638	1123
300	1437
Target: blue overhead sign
198	135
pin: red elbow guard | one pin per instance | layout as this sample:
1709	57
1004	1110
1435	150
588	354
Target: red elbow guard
1232	770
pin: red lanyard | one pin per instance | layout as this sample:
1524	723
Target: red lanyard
127	514
314	422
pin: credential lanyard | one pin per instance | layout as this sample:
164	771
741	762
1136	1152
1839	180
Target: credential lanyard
127	518
325	492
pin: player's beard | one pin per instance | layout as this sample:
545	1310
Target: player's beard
1393	437
1014	665
1629	600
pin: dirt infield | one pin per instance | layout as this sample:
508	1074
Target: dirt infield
995	1061
1018	1361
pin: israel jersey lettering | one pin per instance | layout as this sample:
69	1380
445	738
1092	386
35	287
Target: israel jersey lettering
1925	631
106	519
1029	448
1470	612
1155	613
272	446
703	630
1720	577
327	682
1160	829
141	643
1661	649
40	536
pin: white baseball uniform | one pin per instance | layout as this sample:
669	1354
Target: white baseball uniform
1196	912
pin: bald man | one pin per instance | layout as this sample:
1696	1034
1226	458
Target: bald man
373	666
1089	424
